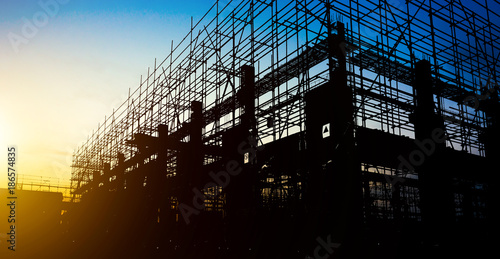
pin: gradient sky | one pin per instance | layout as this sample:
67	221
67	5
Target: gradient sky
62	80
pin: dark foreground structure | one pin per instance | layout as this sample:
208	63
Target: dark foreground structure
303	129
31	225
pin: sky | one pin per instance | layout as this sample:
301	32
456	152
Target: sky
65	64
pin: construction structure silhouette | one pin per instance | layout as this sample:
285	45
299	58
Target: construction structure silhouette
303	129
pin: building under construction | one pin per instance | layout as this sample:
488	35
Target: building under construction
303	129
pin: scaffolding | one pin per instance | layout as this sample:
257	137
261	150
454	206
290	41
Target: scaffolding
43	184
289	45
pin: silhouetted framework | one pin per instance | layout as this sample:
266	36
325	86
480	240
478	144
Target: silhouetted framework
277	127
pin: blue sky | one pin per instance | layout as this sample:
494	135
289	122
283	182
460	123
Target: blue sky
58	83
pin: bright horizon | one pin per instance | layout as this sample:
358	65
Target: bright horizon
57	83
